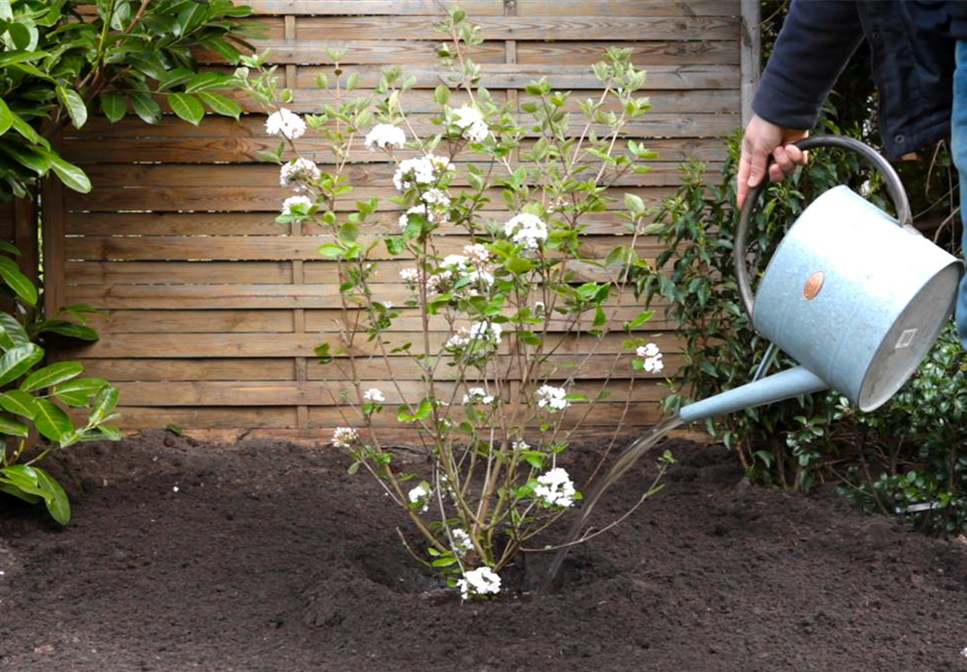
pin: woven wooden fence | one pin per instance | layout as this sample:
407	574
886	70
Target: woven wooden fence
215	310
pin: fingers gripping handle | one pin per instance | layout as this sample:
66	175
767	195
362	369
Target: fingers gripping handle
893	186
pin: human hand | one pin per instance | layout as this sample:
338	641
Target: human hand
761	140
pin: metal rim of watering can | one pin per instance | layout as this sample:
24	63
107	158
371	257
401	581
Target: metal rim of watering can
894	187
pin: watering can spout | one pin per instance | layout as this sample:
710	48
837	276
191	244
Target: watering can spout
783	385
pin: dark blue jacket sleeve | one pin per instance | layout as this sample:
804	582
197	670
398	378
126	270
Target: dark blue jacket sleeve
817	39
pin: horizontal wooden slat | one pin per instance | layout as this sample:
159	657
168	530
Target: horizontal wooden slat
252	199
321	320
227	149
178	224
375	369
375	7
264	177
643	54
281	248
628	7
326	418
303	345
602	415
151	417
517	76
486	8
316	393
127	369
651	125
176	273
189	321
552	26
381	52
555	367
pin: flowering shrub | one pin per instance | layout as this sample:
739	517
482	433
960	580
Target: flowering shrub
496	407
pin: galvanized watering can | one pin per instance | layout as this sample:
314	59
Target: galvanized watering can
853	295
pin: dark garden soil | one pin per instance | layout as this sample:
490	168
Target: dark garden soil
271	557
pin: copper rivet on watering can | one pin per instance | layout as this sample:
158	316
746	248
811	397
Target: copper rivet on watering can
813	285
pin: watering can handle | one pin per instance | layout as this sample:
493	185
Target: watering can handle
893	186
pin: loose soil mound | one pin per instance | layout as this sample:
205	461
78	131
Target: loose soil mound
271	557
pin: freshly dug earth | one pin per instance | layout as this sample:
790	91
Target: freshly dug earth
271	557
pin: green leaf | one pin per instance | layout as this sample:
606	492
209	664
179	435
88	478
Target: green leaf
12	333
641	318
10	489
114	105
74	104
17	281
105	402
19	403
19	35
12	427
69	174
70	329
518	265
187	107
27	131
191	17
220	104
146	107
51	375
445	561
110	432
27	155
149	63
16	362
14	57
225	49
441	94
331	250
23	477
206	80
6	117
52	421
58	505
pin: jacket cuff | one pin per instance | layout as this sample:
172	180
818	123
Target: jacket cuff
782	109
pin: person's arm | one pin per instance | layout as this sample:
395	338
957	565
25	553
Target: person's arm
817	39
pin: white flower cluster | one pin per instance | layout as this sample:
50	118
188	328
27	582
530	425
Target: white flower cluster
472	266
552	398
454	262
554	488
385	135
478	395
298	174
479	332
462	543
477	253
374	395
421	495
652	358
526	229
471	122
479	582
294	200
421	170
434	205
410	274
287	123
344	437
